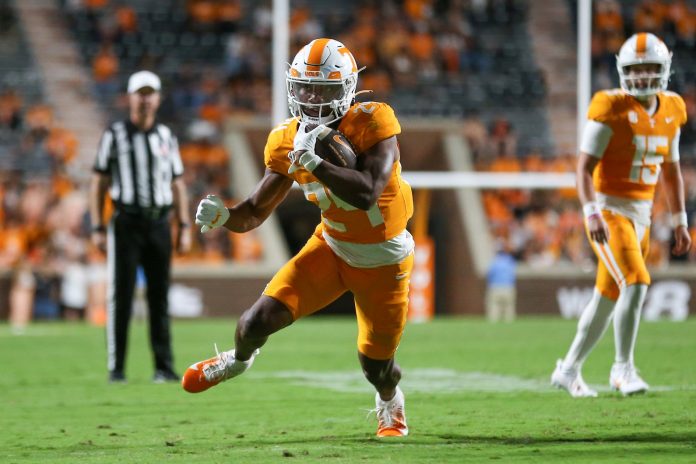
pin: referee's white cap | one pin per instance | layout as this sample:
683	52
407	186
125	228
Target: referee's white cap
144	79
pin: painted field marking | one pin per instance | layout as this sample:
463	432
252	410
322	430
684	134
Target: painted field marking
428	381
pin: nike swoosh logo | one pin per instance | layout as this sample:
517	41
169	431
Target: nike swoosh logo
217	216
668	120
338	139
401	276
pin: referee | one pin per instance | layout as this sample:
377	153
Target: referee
138	162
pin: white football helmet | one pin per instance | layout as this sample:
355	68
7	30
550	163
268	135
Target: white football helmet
321	81
644	48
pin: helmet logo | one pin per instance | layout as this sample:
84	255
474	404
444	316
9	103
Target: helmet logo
326	69
314	61
641	43
345	51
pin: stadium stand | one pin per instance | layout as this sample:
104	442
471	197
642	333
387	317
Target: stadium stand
432	59
41	212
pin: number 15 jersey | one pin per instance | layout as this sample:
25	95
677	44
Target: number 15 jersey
630	165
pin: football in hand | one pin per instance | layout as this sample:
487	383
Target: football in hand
334	147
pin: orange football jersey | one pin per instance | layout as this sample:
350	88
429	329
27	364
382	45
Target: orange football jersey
364	125
639	143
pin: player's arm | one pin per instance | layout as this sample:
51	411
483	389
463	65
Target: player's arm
249	213
361	187
595	139
99	185
674	187
255	209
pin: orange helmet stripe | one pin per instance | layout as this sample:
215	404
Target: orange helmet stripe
315	53
641	43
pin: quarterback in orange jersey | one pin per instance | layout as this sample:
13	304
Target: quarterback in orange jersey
631	136
361	244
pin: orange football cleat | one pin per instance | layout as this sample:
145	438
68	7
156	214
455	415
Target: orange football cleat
205	374
391	416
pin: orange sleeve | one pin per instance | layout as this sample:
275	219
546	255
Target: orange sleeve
367	123
278	145
600	109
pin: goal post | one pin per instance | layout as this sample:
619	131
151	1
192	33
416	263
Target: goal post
489	180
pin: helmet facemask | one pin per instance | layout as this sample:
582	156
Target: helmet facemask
644	84
320	101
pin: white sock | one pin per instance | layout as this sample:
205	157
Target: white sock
591	326
626	321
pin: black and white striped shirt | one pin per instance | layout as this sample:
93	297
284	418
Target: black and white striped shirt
141	164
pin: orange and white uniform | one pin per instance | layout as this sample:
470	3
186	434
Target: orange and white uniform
632	144
369	253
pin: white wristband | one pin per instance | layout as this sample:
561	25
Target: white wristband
680	219
591	208
310	160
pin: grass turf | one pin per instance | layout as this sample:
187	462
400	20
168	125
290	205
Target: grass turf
55	404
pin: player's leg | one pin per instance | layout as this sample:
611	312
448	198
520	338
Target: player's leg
156	261
123	244
591	326
381	303
265	317
22	298
626	321
307	283
624	376
509	304
492	309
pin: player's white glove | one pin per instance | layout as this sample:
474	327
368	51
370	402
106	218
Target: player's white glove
303	155
211	213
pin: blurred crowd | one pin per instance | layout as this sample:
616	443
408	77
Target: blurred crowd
44	220
421	42
43	233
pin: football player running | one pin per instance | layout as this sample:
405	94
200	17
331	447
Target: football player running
631	135
361	244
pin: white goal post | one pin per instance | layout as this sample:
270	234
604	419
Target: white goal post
489	180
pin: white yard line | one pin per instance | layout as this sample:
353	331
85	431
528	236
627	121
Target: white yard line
429	381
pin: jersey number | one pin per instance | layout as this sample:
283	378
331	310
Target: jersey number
646	160
316	193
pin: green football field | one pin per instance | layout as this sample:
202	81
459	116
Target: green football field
475	392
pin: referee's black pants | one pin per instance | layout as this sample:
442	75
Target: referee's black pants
137	240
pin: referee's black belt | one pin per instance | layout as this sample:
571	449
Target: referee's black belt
153	212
